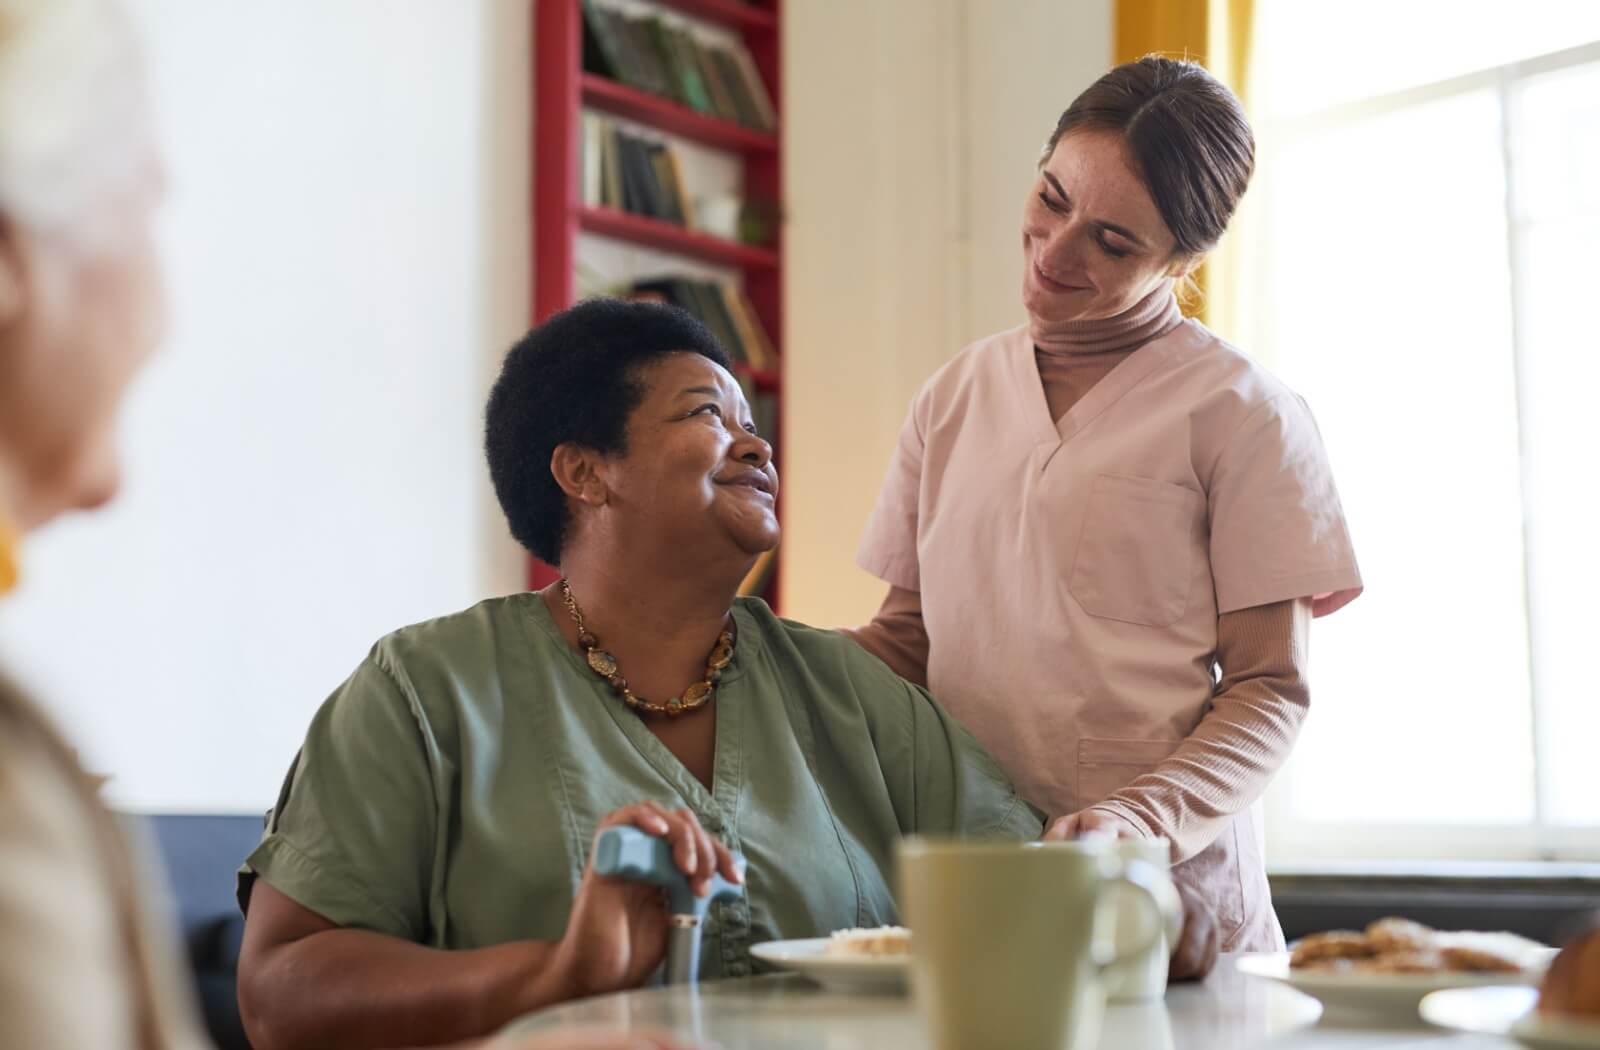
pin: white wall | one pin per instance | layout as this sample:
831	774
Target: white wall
346	243
907	164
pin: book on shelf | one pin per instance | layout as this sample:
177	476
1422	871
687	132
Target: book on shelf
722	103
659	78
679	187
679	49
742	108
602	51
669	195
636	177
623	50
653	55
593	172
758	346
631	174
766	112
722	307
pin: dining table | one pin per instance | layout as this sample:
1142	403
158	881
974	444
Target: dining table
783	1011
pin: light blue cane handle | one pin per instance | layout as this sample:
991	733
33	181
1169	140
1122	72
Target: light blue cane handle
629	853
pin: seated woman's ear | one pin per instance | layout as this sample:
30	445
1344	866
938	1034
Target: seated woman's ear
578	471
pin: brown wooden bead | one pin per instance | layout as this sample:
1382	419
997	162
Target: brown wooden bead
587	640
619	683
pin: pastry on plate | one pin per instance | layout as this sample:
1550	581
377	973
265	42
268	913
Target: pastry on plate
1395	946
876	942
1321	949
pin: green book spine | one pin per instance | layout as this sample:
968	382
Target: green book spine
721	98
679	45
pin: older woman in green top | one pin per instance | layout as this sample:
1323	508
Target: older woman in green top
424	877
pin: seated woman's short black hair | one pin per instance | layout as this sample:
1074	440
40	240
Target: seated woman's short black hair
574	378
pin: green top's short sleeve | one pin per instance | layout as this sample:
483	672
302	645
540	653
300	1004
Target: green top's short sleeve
352	837
940	779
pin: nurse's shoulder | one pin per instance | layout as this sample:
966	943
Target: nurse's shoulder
1227	388
980	373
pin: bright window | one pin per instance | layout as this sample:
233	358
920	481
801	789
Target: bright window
1424	271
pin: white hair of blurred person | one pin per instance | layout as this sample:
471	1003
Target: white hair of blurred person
80	297
75	142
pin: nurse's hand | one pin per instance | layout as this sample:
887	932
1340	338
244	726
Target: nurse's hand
617	933
1089	822
1196	951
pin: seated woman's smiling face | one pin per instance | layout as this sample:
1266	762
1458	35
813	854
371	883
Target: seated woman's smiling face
694	463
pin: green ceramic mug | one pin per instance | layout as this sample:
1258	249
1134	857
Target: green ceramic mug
1003	949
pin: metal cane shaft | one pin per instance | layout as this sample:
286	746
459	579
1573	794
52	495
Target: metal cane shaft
683	949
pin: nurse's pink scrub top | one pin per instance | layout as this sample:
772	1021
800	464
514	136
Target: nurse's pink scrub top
1071	573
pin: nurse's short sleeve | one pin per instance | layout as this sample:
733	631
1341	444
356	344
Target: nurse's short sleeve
1277	529
889	548
352	835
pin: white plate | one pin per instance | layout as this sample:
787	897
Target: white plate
1395	996
1508	1012
853	973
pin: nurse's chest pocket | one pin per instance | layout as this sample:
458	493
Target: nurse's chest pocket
1135	556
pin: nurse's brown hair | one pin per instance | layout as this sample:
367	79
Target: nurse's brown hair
1188	136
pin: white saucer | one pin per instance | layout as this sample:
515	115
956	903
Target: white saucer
1394	996
849	973
1508	1012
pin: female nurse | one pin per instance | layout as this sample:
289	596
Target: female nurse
1106	531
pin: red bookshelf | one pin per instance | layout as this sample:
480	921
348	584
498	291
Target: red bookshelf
732	13
664	114
562	91
653	233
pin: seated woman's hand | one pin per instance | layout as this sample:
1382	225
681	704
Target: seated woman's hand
617	933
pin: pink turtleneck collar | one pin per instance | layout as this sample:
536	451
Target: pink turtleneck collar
1150	318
